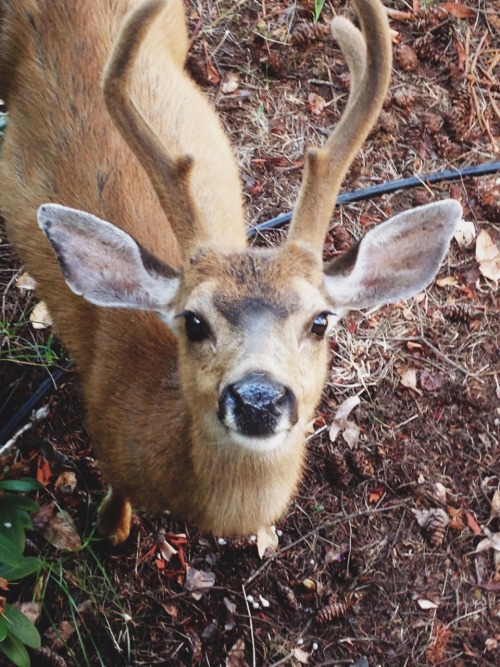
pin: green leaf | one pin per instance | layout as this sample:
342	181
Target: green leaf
24	567
21	502
11	524
25	484
3	630
10	554
21	627
15	651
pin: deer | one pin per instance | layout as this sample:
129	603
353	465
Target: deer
202	358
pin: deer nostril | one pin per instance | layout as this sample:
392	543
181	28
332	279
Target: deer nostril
257	405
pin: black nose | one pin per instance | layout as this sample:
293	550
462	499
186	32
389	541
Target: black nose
256	405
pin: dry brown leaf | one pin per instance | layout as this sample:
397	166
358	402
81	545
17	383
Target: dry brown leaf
31	610
66	483
431	381
300	655
340	420
198	582
490	542
167	550
230	82
57	528
40	317
316	103
465	233
488	256
58	637
495	505
459	10
427	604
267	541
26	282
236	655
447	281
408	377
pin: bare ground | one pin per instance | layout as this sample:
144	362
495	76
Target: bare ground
355	575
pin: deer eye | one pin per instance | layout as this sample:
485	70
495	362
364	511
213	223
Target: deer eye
320	325
196	327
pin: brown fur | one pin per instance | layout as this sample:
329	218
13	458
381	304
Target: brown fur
151	399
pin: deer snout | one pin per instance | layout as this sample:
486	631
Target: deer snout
257	405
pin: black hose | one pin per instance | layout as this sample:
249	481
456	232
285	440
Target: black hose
25	409
387	188
274	223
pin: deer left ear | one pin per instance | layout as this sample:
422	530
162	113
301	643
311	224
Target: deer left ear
395	259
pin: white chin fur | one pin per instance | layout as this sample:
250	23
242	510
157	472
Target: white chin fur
259	444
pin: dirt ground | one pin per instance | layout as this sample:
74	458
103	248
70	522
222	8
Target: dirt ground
356	579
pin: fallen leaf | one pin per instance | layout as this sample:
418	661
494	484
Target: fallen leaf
340	420
490	542
408	377
211	73
58	637
431	382
488	256
447	281
26	282
236	655
40	317
427	604
65	483
465	233
31	610
167	551
267	541
458	10
473	524
316	103
376	495
301	655
43	471
230	82
57	528
198	582
495	505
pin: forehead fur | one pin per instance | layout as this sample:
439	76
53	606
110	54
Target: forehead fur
257	278
256	269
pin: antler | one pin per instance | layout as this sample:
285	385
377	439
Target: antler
369	61
169	174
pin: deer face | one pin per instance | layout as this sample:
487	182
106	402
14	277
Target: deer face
251	328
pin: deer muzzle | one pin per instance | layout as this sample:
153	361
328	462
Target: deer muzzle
257	406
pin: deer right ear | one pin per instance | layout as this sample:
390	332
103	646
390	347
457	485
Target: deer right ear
395	259
105	265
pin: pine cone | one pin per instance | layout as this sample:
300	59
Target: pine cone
309	33
459	312
433	523
432	122
335	609
404	98
420	197
458	117
362	464
488	194
406	58
337	471
413	134
287	596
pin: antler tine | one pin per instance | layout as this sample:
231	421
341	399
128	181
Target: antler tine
326	167
169	174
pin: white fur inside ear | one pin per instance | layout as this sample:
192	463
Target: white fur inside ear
396	259
104	264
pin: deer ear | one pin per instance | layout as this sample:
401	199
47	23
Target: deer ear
395	259
104	264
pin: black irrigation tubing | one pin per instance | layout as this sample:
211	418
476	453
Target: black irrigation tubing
21	415
274	223
387	188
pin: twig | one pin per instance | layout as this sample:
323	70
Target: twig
254	662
